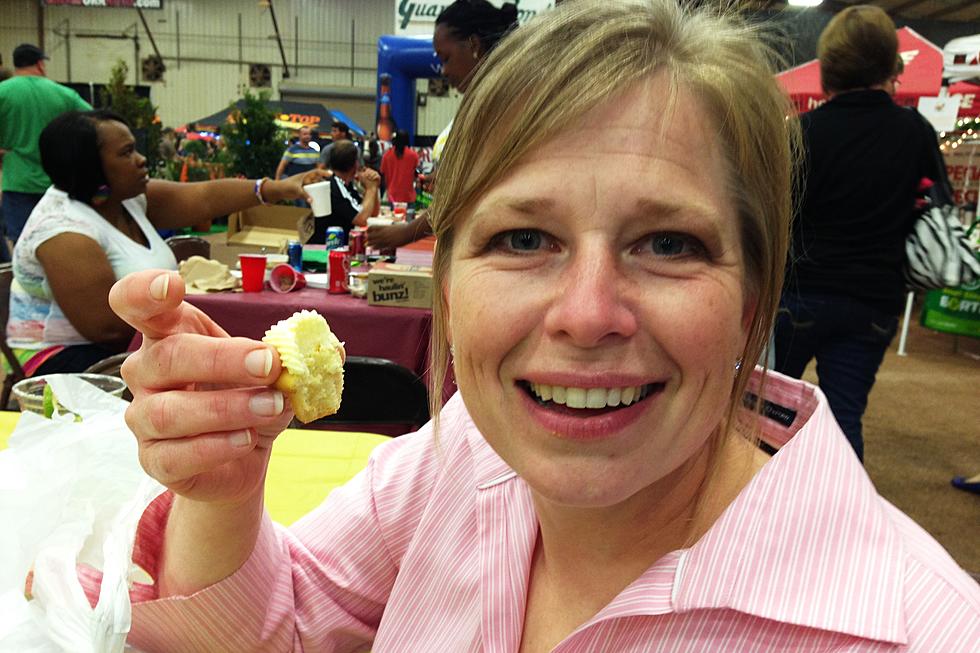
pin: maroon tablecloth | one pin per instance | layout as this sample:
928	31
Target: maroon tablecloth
398	334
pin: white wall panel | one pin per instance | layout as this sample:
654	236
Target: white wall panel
205	33
209	74
437	112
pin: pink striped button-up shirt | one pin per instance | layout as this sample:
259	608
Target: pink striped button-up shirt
429	549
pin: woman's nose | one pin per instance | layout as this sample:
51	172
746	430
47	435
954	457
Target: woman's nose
590	306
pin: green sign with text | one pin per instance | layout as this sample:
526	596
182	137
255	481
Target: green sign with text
953	310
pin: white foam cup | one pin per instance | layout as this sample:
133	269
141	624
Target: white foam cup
320	194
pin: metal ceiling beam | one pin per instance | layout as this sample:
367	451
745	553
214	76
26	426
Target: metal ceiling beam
963	4
909	4
282	51
834	6
146	27
40	25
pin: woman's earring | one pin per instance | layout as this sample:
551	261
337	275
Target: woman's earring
738	366
475	55
101	194
452	352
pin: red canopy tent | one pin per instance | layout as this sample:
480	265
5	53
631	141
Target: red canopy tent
922	77
969	98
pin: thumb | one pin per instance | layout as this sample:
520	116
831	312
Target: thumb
151	301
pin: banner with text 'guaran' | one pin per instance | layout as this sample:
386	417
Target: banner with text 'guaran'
419	16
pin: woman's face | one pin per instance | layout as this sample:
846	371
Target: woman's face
459	56
606	272
125	168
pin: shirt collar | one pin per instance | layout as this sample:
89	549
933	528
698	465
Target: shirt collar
863	97
807	541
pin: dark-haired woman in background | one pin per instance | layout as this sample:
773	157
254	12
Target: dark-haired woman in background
466	31
372	154
94	225
398	169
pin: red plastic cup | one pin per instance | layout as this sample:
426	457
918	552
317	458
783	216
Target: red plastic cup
253	271
284	278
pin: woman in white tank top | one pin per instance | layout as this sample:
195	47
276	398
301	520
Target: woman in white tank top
97	223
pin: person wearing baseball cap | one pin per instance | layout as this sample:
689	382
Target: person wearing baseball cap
28	102
27	55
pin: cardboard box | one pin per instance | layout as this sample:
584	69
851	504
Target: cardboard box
390	284
269	227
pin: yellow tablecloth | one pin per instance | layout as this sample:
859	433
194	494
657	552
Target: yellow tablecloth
305	465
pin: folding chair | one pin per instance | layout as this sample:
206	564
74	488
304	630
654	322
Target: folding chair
185	247
380	392
111	366
16	372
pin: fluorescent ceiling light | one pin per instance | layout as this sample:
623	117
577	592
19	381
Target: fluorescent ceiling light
805	3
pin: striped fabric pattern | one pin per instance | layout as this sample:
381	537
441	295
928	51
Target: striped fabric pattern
299	159
938	253
429	549
296	153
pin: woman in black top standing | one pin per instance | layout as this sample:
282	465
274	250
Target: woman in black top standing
864	159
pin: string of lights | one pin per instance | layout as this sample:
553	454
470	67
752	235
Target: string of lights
967	130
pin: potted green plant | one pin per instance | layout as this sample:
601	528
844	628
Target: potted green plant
253	140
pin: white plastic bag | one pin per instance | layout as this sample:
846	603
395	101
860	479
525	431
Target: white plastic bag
70	492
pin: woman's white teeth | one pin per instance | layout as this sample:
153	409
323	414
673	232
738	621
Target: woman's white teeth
589	397
614	397
575	397
596	398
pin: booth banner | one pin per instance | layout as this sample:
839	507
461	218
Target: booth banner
127	4
963	168
967	94
953	310
419	16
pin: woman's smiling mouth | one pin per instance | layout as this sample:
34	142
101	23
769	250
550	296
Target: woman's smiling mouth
587	402
587	414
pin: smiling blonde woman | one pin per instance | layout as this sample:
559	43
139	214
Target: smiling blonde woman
595	484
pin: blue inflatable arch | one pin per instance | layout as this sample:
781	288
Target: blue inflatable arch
405	59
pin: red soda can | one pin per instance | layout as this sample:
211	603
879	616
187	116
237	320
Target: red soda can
357	243
339	268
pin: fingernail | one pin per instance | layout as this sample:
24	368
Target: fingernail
259	362
266	404
159	287
241	438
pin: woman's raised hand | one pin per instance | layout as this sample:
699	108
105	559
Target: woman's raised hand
291	188
202	411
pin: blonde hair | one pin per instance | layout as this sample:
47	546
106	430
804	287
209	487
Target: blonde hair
560	65
858	49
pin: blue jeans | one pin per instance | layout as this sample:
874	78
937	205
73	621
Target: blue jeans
848	338
16	208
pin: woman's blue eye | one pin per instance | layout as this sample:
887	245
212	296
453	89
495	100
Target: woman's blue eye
671	245
525	240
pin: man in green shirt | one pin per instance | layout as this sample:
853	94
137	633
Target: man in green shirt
28	102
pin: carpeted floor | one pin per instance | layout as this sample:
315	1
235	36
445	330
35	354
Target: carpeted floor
921	428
